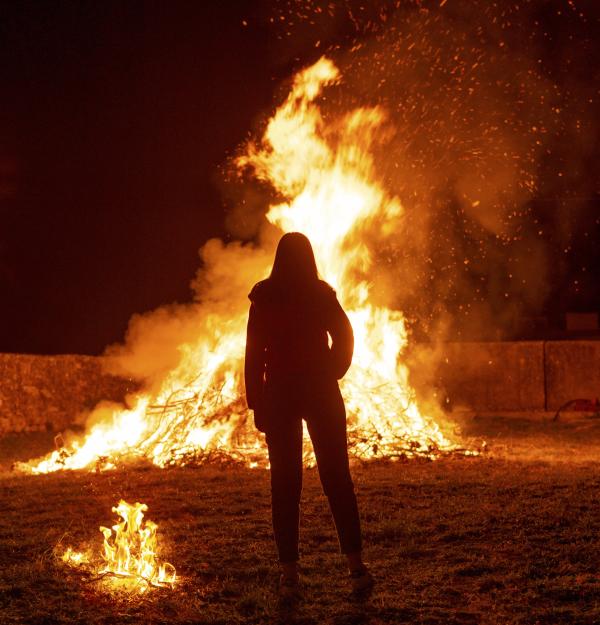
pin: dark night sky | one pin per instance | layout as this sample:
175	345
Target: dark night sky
115	120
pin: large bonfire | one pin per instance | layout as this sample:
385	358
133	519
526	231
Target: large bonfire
324	174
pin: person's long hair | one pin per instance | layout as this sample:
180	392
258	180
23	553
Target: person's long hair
294	265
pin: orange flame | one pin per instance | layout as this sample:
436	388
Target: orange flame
326	173
131	551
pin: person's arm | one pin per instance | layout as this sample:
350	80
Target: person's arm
342	337
254	364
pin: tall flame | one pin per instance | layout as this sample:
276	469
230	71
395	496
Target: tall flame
131	552
326	173
130	549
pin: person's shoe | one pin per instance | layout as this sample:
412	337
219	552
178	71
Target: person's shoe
289	589
361	582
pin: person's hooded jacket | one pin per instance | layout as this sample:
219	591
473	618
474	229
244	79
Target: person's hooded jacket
287	338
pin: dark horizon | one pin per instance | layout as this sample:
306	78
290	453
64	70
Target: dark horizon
119	122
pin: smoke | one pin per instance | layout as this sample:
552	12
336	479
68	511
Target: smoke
492	110
156	342
468	107
477	128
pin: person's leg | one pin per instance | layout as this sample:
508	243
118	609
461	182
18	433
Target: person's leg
284	441
327	429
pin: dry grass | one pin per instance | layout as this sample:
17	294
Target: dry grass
493	540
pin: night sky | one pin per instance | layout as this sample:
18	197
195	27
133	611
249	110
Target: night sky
117	120
116	117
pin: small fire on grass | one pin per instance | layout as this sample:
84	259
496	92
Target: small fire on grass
129	550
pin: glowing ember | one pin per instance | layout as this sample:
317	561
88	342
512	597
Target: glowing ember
326	173
74	558
129	549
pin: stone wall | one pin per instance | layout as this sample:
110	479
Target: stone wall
572	371
488	377
40	393
518	377
49	392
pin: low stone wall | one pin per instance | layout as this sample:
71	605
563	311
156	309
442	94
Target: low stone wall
572	371
488	377
49	392
40	393
519	377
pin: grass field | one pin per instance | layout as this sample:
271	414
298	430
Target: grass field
512	537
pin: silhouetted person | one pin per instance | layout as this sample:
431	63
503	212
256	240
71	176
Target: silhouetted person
291	374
